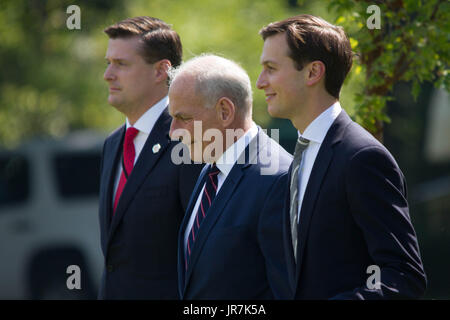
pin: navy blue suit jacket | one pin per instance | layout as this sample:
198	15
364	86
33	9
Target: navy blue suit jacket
140	243
354	214
238	249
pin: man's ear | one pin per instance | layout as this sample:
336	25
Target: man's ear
162	68
226	111
316	72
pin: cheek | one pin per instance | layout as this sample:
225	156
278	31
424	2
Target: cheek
136	79
277	82
190	133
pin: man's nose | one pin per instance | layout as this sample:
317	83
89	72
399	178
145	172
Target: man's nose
261	83
109	74
172	131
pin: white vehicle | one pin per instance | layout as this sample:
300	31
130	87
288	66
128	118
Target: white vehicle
49	217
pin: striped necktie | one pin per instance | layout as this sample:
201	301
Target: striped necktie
209	193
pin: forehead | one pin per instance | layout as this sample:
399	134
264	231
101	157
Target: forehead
275	48
182	96
122	48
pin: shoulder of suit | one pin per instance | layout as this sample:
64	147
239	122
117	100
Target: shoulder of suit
272	161
115	132
356	139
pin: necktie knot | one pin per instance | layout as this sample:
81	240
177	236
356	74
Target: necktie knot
130	135
213	171
301	145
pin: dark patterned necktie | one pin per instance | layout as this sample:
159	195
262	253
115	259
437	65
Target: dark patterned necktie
209	193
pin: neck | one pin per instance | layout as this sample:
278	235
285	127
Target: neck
312	110
232	134
137	112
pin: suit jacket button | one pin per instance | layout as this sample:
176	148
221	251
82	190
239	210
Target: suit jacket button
110	268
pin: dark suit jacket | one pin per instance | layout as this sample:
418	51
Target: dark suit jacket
238	249
354	214
140	243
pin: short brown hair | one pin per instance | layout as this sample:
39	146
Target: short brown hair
311	38
159	41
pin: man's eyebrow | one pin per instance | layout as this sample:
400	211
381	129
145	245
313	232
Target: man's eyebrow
266	62
116	59
182	115
179	115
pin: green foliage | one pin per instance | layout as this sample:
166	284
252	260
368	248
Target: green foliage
412	45
50	81
52	78
228	28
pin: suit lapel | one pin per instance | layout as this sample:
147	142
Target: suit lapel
315	181
112	156
287	236
146	161
181	250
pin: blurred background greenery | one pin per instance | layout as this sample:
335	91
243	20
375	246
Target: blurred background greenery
52	77
51	81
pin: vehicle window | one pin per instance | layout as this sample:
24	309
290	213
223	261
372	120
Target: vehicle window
14	179
77	174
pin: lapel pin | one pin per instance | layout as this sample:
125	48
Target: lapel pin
156	148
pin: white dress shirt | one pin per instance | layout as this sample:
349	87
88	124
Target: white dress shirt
145	125
225	163
315	133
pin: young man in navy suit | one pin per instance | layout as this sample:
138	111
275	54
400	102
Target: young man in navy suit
230	241
143	194
347	229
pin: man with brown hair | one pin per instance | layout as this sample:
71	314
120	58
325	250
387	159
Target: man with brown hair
143	194
347	229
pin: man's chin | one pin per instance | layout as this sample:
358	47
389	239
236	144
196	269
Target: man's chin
116	104
196	158
112	101
192	155
273	111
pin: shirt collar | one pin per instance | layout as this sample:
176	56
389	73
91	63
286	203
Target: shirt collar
317	130
146	122
227	160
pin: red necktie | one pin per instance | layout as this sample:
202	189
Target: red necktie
128	160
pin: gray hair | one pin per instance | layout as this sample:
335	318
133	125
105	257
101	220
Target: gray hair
217	77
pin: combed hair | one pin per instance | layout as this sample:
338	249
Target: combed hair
158	40
218	77
311	38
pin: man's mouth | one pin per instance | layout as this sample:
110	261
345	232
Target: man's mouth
270	96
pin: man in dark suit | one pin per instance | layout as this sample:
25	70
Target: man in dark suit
347	229
230	239
143	194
